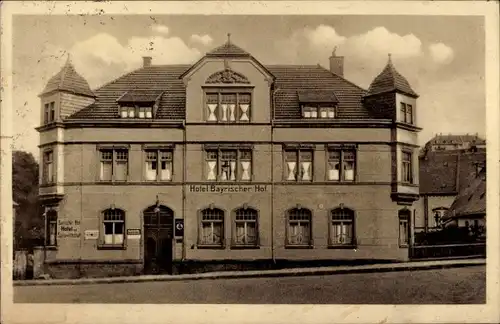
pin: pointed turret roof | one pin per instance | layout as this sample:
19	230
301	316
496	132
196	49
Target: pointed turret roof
390	80
228	49
67	79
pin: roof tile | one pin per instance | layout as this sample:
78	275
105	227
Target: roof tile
390	80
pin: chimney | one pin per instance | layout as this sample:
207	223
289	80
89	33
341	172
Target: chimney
337	63
146	61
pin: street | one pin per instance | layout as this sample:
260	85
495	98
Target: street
446	286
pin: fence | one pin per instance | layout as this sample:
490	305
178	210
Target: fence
448	251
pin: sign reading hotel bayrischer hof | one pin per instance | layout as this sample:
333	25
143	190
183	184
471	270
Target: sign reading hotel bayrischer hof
222	189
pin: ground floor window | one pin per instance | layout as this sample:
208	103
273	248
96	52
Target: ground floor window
342	227
299	227
245	227
51	235
113	227
212	227
404	227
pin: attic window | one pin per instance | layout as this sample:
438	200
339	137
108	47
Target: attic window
318	111
136	112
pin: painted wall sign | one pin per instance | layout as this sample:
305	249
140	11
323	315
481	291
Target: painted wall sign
179	227
222	189
68	228
91	234
134	233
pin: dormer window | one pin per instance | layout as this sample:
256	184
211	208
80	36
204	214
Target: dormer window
318	104
318	111
139	104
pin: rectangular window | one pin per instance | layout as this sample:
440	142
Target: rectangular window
299	165
48	167
113	227
407	168
402	116
212	228
299	227
403	231
46	113
51	235
228	107
159	165
409	114
245	230
228	165
114	165
341	165
52	112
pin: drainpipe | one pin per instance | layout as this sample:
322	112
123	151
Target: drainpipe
272	174
184	176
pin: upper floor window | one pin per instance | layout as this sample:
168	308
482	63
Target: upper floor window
212	227
228	107
299	228
407	167
228	164
136	112
341	164
245	227
318	111
438	215
159	165
406	113
299	164
48	167
342	227
113	227
114	164
49	112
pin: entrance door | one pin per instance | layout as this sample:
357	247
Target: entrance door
158	235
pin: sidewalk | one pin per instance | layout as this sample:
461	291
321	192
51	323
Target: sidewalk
404	266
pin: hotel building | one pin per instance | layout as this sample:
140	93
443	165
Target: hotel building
226	161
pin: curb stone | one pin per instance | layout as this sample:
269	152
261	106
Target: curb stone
409	266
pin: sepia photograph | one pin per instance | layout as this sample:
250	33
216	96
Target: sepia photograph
236	157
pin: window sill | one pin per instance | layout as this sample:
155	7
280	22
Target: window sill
290	246
343	247
403	246
111	247
245	247
213	247
51	247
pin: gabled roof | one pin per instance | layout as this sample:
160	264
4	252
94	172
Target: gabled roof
471	200
390	80
149	79
448	172
441	139
67	79
228	49
289	80
292	78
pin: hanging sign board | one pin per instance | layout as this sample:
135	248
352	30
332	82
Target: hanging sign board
179	227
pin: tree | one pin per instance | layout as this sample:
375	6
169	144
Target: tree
29	223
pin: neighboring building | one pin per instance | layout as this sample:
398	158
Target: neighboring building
226	160
443	174
469	208
454	142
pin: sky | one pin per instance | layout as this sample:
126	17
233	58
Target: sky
443	57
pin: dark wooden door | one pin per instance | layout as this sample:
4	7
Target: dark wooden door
158	238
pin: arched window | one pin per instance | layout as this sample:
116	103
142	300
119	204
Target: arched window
245	231
299	227
404	227
342	226
51	235
113	227
212	227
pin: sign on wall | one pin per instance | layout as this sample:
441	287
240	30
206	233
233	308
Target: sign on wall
68	228
91	234
134	233
179	227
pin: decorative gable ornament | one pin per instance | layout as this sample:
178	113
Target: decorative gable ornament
227	76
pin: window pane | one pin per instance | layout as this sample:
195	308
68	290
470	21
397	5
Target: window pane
106	170
142	113
119	226
349	170
121	171
106	155
149	112
52	233
108	228
166	170
131	112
